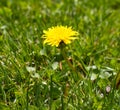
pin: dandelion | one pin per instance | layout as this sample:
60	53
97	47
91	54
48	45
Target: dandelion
60	36
55	35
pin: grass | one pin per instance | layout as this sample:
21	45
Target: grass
34	76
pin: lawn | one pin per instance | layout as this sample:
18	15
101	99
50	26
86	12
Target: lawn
81	75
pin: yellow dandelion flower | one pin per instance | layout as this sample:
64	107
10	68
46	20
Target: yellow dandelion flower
55	35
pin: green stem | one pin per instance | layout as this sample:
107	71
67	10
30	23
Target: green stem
69	63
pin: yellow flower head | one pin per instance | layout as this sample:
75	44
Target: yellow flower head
55	35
